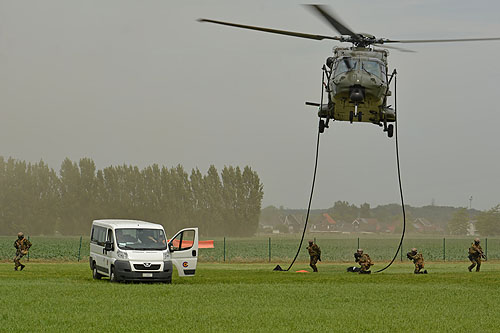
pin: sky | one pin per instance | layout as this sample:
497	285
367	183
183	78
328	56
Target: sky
142	82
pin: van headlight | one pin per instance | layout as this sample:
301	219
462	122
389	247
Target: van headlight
166	255
121	254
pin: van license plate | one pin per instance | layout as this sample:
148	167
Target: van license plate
147	274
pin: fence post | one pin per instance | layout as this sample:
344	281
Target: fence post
80	248
224	249
28	251
358	244
269	249
444	249
486	250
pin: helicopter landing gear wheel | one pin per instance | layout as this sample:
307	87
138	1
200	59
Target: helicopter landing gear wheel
322	126
390	130
360	116
351	116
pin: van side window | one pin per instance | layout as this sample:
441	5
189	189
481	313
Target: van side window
98	235
183	241
110	236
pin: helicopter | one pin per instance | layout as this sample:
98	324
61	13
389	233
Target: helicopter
357	77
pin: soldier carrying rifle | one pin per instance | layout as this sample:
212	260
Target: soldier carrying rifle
22	246
418	260
314	255
475	255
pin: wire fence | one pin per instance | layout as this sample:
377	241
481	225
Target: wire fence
275	249
342	249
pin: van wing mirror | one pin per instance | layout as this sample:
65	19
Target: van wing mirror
170	247
108	246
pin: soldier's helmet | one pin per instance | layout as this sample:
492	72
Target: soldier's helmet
360	251
310	242
20	235
476	240
414	249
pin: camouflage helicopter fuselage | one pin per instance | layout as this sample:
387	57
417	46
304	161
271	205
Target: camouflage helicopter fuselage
358	86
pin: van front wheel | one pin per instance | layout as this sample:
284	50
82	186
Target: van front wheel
112	276
95	274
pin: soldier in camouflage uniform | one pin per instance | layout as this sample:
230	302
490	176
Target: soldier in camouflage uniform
314	254
475	255
418	260
364	260
22	246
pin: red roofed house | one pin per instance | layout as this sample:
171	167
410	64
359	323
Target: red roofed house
366	225
326	224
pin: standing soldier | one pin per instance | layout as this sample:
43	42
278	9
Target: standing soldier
475	255
22	246
364	260
418	260
314	254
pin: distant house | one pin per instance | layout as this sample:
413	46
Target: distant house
326	224
471	228
293	223
423	225
390	228
266	228
362	224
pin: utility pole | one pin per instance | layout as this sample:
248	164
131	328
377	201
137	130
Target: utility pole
471	228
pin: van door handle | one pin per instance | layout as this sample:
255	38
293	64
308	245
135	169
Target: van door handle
193	253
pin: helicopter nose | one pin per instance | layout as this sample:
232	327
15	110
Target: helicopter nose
357	94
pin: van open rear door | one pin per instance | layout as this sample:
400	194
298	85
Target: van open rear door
184	251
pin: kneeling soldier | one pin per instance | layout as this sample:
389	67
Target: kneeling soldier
475	255
364	261
418	260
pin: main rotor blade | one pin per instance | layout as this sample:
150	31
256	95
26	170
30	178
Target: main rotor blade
440	40
334	22
274	31
395	48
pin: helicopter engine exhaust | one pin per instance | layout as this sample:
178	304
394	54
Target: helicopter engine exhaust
357	94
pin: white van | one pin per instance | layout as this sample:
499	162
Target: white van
130	250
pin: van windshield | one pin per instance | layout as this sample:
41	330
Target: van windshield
141	239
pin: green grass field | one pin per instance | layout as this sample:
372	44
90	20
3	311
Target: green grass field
251	297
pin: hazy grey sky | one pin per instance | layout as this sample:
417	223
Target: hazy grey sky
141	82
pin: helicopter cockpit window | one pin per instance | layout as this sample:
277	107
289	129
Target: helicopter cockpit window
373	67
342	65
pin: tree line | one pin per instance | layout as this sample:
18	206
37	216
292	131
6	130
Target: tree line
38	201
487	223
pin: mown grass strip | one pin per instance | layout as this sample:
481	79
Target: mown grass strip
251	297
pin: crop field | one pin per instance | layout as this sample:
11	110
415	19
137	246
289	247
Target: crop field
62	296
278	249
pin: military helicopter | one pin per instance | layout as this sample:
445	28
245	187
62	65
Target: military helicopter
357	79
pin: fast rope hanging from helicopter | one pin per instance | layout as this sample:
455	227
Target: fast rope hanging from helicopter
393	75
